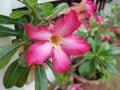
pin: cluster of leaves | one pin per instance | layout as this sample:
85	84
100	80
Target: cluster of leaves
99	60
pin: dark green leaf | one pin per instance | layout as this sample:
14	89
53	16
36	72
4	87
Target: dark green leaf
105	46
45	6
41	82
5	31
92	44
44	10
115	50
89	55
7	51
15	75
61	77
21	60
23	77
59	8
7	20
94	24
108	59
87	68
110	68
18	13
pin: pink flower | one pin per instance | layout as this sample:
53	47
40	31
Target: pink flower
85	10
57	41
75	86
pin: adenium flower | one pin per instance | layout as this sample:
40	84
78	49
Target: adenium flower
57	41
85	9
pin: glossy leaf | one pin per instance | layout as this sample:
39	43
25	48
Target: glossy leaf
18	13
7	51
89	55
105	46
41	82
115	50
21	60
45	6
5	31
87	68
44	9
59	8
23	77
91	40
15	75
110	68
108	59
7	20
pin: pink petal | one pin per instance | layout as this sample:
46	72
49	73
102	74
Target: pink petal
60	60
75	45
97	18
37	33
85	23
83	15
38	53
67	25
75	86
91	5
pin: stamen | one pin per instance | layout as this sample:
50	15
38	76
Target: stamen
55	40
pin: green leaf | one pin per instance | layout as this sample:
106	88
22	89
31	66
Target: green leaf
87	68
44	9
7	51
30	3
92	44
41	82
7	20
110	68
108	59
45	6
23	77
115	50
15	75
94	24
61	77
105	46
59	8
5	31
18	13
89	55
21	60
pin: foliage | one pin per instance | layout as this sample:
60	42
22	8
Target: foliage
98	63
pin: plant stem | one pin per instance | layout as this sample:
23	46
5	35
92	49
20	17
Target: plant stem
76	65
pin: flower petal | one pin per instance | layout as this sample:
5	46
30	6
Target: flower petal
75	45
60	60
85	23
38	53
75	86
67	25
37	33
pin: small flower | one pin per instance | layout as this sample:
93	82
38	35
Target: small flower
57	41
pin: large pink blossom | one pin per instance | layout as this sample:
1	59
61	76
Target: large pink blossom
57	41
